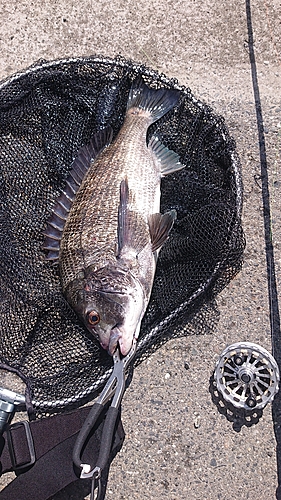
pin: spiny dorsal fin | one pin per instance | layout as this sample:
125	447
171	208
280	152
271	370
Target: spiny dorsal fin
168	160
87	154
160	226
80	166
131	226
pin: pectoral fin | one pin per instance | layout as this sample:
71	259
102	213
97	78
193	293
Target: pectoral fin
160	227
123	223
131	227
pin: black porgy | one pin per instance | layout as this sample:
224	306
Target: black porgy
106	230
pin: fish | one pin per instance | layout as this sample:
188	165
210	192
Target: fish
106	229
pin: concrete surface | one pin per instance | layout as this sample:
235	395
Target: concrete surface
178	446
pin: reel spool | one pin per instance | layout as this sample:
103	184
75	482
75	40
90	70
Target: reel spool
247	376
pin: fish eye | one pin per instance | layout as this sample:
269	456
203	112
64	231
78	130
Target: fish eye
93	318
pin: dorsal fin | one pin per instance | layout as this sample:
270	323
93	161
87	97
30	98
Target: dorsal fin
80	166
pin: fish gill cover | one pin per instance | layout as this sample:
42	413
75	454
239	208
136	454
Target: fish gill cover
46	114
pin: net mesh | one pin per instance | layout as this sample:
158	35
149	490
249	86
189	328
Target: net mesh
46	114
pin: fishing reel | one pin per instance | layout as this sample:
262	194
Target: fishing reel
247	376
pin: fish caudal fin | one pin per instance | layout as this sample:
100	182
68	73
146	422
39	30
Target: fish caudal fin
80	166
160	227
168	160
157	102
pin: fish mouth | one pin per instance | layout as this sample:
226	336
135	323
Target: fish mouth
117	339
123	338
115	336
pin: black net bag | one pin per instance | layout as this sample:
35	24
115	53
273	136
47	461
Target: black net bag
46	114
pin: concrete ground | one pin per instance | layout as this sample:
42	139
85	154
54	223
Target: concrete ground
178	446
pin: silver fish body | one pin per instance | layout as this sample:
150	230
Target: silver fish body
112	232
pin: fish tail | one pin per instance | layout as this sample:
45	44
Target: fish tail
155	102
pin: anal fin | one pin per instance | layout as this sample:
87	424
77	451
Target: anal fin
168	160
160	226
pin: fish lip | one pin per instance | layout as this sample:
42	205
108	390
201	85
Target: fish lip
115	335
115	341
124	353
